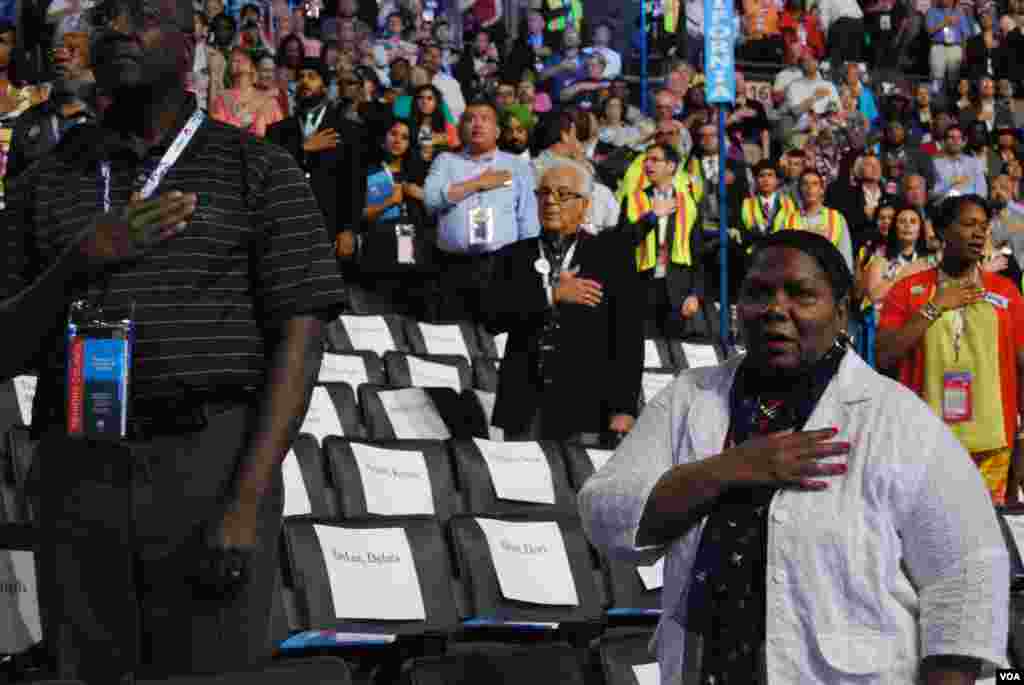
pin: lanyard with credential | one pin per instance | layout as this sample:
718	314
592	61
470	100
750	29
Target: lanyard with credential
179	144
544	268
309	128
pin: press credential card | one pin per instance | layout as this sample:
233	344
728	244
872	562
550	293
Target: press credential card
395	482
427	374
372	573
443	339
322	417
296	497
699	355
599	457
647	674
519	470
20	626
500	341
369	333
413	415
531	562
654	383
343	368
653	576
25	390
652	359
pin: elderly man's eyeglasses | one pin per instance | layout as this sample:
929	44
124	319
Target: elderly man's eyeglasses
558	196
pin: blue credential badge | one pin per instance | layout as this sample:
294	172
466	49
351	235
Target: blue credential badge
99	360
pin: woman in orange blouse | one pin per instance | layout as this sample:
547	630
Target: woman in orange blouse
244	105
956	334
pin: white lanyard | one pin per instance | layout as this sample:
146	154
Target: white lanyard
166	162
543	266
307	129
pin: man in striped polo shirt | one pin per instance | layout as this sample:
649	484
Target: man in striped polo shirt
160	550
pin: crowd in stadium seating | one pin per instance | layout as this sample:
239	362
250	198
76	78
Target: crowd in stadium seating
890	127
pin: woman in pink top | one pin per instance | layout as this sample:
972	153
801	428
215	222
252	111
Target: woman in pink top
244	105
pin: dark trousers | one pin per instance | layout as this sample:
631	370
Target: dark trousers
845	41
122	527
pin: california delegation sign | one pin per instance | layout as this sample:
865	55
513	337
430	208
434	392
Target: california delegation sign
719	57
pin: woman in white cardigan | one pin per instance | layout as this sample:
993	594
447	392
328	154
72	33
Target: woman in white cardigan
820	523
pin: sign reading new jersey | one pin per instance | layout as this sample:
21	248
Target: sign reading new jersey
719	55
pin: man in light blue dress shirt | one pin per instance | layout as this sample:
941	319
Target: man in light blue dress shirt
955	172
484	199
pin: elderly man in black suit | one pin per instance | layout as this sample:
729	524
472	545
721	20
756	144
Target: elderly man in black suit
569	301
328	147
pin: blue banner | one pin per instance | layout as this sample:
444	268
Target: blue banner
719	51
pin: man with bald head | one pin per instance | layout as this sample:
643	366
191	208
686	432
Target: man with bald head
568	300
160	523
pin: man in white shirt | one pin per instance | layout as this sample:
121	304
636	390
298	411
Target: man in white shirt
843	21
791	72
810	97
449	87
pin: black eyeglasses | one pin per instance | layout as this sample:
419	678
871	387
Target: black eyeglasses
557	196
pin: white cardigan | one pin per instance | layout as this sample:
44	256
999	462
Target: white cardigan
899	559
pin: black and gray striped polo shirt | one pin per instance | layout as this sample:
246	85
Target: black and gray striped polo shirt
204	301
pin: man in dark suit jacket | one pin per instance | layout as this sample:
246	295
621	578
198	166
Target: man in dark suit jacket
569	302
328	147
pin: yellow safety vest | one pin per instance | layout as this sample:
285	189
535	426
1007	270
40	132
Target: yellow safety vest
638	205
568	9
794	221
671	8
635	179
753	215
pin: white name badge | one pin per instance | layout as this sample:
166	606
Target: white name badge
413	416
885	22
519	471
395	482
700	355
487	401
481	225
443	339
25	390
371	573
427	374
20	626
500	341
322	417
296	496
652	358
406	250
947	34
531	561
653	576
653	383
369	333
599	457
343	368
647	674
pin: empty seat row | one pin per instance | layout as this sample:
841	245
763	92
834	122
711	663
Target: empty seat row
394	333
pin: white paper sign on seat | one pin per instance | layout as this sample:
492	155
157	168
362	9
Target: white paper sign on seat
599	457
343	368
647	674
531	561
653	576
699	355
25	390
413	416
428	374
653	383
444	339
20	624
500	341
372	573
296	496
322	417
395	482
652	358
519	471
369	333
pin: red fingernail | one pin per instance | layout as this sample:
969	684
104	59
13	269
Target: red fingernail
835	430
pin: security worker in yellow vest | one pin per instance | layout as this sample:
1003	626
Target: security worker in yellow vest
816	217
664	222
759	210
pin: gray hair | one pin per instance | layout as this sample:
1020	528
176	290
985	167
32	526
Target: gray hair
548	162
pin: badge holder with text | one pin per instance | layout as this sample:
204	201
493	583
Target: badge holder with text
99	360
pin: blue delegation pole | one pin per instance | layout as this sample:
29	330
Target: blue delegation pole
723	236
